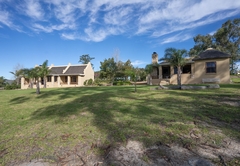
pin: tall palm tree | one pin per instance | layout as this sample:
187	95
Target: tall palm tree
44	70
176	58
17	74
33	74
29	73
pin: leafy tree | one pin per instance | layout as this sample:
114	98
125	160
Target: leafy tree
44	72
35	74
2	81
17	73
177	58
201	44
226	39
123	69
135	76
29	74
108	69
84	59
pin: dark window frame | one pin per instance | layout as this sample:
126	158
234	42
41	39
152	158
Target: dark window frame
211	67
55	78
74	79
49	78
185	69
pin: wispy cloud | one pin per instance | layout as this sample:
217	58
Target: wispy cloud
5	18
138	62
211	33
33	9
176	38
69	36
95	20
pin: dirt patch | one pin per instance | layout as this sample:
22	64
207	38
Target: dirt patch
205	152
230	101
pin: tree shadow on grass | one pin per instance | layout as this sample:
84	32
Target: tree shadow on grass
19	100
144	116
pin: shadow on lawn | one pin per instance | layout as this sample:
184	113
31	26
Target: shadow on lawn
19	100
123	114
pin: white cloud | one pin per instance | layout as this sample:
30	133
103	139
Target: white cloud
176	38
48	29
33	9
180	15
180	27
95	20
5	18
69	36
138	62
99	34
211	33
118	17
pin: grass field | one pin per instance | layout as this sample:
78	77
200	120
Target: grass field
236	79
36	126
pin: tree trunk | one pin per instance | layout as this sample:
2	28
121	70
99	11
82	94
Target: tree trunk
135	84
45	83
179	76
31	83
38	87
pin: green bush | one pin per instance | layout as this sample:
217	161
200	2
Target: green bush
85	82
90	82
119	83
12	86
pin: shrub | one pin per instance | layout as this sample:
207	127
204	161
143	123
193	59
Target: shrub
90	82
85	82
118	83
12	86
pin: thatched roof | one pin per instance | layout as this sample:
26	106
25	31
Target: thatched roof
211	54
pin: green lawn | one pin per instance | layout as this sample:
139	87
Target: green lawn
36	126
236	79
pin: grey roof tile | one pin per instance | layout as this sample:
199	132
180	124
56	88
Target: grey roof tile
57	70
76	69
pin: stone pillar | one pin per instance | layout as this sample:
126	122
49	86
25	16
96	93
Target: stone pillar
69	80
160	72
59	81
22	82
79	80
52	78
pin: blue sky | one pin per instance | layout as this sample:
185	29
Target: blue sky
32	31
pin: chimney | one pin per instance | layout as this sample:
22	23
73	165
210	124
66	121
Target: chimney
154	58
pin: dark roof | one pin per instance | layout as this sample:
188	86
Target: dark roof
57	70
211	54
75	70
167	63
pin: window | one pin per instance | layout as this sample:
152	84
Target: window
73	79
66	78
210	67
55	78
49	79
185	69
175	70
